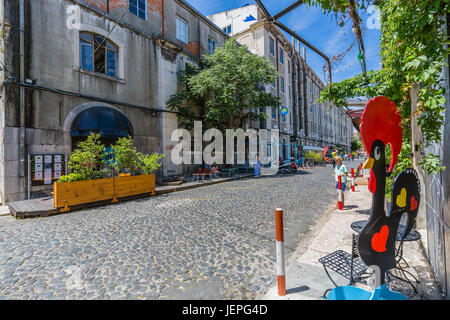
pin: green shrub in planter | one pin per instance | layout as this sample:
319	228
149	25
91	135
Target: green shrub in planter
128	160
90	161
71	177
86	162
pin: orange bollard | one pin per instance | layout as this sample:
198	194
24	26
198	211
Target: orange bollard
281	276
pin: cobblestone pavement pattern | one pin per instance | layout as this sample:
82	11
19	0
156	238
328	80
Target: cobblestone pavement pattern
214	242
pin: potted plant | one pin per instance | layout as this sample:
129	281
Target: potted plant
99	176
134	170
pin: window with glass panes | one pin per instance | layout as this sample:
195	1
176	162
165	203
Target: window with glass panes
272	46
211	46
182	30
281	56
274	113
138	8
227	29
98	54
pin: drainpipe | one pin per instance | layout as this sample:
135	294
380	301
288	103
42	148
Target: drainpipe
305	96
163	31
293	93
22	90
277	52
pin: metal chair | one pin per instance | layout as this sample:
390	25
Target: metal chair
348	265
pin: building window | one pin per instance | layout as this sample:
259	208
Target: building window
98	54
227	29
138	8
289	66
272	46
290	93
211	46
281	55
282	84
182	30
274	113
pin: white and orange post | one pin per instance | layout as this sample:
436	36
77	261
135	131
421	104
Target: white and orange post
281	275
353	180
340	193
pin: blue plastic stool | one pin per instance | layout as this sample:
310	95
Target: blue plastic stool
354	293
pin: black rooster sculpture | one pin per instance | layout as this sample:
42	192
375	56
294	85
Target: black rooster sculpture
380	125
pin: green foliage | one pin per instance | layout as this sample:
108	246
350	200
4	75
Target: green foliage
314	156
128	160
413	49
226	90
356	144
404	162
89	161
71	177
148	163
432	164
125	156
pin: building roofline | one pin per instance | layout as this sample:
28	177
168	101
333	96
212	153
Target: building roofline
244	6
203	17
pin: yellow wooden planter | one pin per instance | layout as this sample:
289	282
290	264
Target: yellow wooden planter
134	185
67	194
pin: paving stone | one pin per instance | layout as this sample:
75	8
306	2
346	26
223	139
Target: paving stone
198	243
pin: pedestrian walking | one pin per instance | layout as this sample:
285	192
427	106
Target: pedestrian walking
340	170
257	167
333	155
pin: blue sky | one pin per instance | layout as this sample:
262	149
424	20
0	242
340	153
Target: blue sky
319	29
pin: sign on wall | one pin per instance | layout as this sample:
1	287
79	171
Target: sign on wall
46	168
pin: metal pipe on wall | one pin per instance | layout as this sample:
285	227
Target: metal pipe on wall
22	89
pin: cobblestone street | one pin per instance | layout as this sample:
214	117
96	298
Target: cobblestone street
213	242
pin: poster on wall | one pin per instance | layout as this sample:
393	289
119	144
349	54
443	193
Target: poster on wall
46	168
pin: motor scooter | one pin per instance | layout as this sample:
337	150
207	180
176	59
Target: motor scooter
288	166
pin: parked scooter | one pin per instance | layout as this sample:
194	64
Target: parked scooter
288	166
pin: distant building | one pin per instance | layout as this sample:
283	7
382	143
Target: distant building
308	122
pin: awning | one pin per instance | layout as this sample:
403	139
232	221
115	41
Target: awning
107	121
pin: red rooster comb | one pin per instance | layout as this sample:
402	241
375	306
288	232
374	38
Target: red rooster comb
381	121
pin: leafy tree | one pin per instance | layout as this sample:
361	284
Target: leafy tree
413	50
356	144
226	90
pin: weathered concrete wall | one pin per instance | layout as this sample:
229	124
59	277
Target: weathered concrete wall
52	61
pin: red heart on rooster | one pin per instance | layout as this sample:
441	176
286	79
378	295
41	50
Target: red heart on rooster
379	239
414	203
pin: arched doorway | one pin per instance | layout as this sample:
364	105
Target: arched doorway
110	123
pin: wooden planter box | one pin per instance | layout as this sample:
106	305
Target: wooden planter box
134	185
69	194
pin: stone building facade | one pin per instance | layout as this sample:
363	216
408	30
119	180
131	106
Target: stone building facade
69	67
